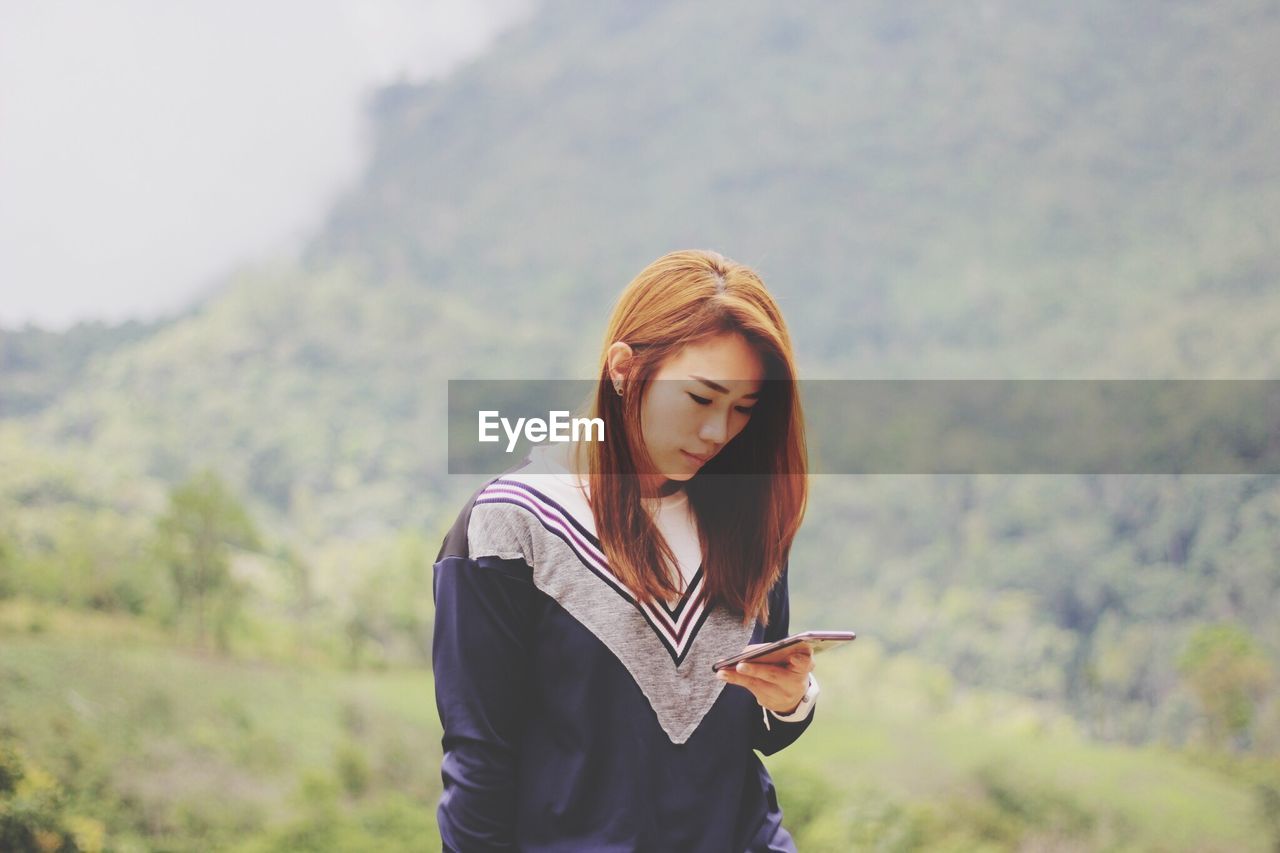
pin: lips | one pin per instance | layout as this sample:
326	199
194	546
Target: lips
699	459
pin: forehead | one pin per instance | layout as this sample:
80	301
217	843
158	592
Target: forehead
728	358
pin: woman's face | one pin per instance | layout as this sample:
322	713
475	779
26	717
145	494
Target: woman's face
702	398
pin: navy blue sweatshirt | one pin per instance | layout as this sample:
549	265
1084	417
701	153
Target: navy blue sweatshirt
574	718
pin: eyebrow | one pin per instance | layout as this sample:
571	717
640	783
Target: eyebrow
716	386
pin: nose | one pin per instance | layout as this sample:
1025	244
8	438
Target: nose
715	429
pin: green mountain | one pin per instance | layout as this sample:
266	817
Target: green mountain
37	366
978	189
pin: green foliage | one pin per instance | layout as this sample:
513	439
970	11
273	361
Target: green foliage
883	767
91	563
353	770
169	748
172	749
390	823
1017	804
34	811
1268	790
194	537
8	565
1229	675
74	530
37	366
392	605
1002	814
1261	774
1077	590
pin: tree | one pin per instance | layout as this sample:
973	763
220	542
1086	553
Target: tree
8	565
203	523
392	607
1228	674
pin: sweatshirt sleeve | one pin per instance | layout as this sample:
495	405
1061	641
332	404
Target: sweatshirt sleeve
480	657
772	733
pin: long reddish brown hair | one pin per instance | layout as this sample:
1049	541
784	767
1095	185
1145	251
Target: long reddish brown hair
749	499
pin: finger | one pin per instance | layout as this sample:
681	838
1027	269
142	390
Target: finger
761	689
752	682
771	696
730	676
798	663
802	664
766	692
782	676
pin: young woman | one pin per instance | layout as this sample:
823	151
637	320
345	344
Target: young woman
582	597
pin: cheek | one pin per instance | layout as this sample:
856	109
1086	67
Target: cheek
657	423
666	434
665	415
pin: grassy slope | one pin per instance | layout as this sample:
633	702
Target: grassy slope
214	750
180	746
963	769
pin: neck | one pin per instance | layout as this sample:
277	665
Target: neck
659	487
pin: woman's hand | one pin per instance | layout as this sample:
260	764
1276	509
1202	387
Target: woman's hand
777	686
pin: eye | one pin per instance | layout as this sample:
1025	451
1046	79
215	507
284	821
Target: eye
703	401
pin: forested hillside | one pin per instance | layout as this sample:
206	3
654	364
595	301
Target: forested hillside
39	365
978	189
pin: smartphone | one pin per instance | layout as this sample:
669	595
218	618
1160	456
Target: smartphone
779	650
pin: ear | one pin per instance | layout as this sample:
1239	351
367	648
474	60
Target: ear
618	358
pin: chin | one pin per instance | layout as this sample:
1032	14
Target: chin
680	475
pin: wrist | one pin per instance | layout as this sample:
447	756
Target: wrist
806	699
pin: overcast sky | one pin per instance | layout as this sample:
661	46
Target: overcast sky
148	147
